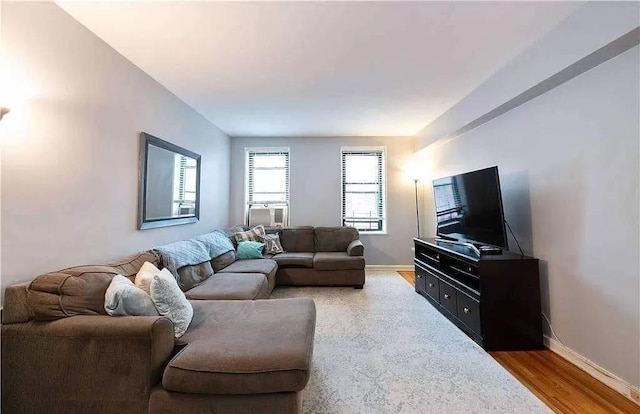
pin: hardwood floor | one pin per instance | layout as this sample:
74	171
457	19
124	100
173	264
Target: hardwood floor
409	277
565	388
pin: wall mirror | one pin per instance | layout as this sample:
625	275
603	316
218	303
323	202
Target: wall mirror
169	184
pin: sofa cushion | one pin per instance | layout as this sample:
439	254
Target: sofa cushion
245	347
193	275
79	290
297	239
337	261
289	259
264	266
231	286
334	239
222	261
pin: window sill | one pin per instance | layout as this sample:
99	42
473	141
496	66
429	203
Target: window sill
372	233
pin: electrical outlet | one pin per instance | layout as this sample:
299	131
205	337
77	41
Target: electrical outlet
635	395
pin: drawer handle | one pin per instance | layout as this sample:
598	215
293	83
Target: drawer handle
446	296
431	285
437	257
419	276
466	310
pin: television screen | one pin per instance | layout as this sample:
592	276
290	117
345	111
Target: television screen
469	207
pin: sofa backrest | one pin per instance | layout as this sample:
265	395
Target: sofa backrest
79	290
334	239
297	239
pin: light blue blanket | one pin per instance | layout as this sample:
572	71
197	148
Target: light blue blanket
194	251
216	242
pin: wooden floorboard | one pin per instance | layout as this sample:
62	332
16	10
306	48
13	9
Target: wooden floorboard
565	388
409	277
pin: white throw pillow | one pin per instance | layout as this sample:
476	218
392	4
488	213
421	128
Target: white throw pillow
145	276
171	301
123	298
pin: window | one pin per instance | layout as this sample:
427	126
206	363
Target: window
363	189
267	176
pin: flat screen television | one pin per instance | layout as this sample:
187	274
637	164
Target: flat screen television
469	208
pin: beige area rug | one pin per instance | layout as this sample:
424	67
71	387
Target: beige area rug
385	349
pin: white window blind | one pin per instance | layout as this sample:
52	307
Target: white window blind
268	177
363	191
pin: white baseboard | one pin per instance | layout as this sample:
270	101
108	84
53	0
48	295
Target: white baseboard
391	268
593	369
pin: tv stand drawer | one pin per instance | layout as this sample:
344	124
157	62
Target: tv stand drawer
420	280
448	296
469	312
428	282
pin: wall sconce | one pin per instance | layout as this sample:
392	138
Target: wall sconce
14	90
3	111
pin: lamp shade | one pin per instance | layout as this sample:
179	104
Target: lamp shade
413	171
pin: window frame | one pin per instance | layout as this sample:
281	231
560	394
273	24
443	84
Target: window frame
383	194
266	150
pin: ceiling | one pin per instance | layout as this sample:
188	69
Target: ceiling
319	68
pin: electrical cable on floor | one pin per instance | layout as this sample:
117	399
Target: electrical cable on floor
553	333
580	357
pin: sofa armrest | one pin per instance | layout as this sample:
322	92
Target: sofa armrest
97	364
355	248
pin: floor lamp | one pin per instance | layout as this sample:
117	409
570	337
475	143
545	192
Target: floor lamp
415	182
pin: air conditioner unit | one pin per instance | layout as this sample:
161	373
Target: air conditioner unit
268	216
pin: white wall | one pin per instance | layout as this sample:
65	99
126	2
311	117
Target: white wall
315	189
569	169
592	26
70	155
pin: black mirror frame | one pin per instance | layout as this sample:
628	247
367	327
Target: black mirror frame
145	141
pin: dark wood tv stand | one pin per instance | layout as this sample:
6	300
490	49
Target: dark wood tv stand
494	299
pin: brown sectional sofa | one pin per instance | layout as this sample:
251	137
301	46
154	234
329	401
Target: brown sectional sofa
61	353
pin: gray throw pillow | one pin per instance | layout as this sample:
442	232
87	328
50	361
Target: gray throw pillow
272	244
123	298
171	302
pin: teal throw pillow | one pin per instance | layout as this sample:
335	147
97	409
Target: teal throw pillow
250	250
